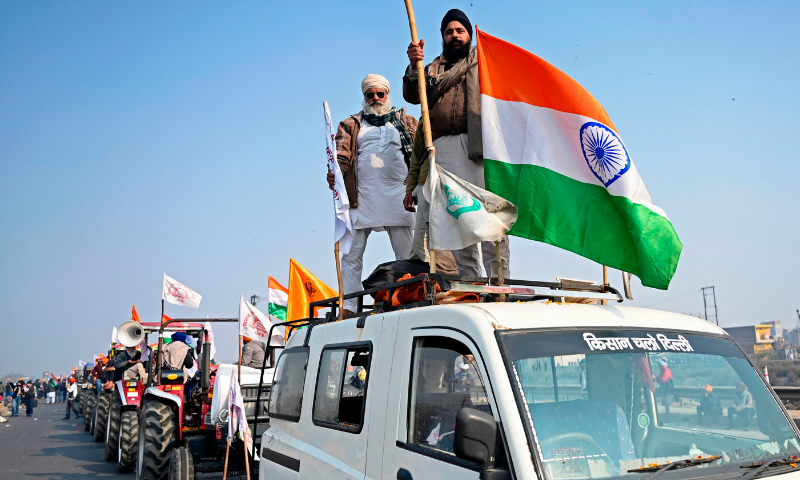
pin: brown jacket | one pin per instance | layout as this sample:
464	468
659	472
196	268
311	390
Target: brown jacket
457	110
347	149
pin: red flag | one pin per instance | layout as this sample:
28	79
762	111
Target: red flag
135	315
165	319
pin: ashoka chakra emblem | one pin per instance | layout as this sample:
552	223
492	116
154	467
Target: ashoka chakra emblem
604	152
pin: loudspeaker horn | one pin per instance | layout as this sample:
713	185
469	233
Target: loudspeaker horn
130	333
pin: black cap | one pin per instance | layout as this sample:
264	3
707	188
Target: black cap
458	16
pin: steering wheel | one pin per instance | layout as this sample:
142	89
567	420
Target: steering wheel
575	437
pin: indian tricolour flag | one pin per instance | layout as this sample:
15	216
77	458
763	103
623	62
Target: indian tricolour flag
551	150
278	299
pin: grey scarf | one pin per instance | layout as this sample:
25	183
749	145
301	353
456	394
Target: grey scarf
447	80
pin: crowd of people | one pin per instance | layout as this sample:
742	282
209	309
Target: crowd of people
29	391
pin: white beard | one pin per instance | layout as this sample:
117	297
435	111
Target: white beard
379	109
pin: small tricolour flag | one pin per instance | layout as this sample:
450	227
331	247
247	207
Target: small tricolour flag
179	294
278	297
551	149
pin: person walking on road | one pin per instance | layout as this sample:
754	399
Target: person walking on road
9	387
72	392
17	393
45	390
30	395
51	392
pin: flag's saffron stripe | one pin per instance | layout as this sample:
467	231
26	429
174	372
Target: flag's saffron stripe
584	219
508	72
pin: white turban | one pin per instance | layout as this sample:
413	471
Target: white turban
374	81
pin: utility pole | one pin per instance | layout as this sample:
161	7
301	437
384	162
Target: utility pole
710	305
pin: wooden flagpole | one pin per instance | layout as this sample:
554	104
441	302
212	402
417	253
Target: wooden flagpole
499	269
605	283
239	376
247	460
426	124
339	277
225	468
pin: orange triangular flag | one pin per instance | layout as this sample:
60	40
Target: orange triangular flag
135	315
304	288
165	319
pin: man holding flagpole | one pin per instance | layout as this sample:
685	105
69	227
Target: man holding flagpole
373	149
453	93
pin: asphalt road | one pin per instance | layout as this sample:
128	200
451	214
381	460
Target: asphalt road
46	446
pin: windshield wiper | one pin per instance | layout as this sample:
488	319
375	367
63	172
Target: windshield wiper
659	469
765	465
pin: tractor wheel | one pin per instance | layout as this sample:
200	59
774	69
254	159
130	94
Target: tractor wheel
158	435
88	409
128	441
101	417
181	466
112	430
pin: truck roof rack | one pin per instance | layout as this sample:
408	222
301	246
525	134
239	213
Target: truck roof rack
489	290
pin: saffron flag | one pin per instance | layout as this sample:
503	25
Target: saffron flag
304	288
179	294
165	319
551	149
463	214
135	315
278	298
343	225
256	326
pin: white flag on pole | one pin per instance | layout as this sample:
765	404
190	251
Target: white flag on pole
179	294
211	339
81	364
236	416
114	338
463	214
343	230
256	325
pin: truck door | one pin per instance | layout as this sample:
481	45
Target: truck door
436	372
340	370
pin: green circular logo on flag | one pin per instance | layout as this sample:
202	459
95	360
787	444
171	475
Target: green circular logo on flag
458	205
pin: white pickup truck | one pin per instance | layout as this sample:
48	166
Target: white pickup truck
528	390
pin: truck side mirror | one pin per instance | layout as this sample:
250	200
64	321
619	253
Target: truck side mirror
475	437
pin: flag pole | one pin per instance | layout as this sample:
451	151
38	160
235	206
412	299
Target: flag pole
157	368
499	269
605	283
339	278
426	124
247	460
239	377
225	468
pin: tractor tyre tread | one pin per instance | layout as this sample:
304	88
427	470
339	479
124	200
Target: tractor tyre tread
101	417
181	465
128	441
112	440
160	437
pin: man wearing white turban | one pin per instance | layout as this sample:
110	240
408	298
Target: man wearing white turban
373	148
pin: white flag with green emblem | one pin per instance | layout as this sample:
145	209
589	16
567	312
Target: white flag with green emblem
463	214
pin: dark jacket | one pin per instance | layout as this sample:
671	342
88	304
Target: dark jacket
456	110
347	149
30	392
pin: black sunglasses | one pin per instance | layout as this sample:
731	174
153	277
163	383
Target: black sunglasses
371	95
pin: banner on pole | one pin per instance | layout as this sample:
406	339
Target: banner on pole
256	326
179	294
343	225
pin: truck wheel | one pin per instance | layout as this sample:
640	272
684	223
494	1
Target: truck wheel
101	417
158	434
112	435
88	410
128	441
181	465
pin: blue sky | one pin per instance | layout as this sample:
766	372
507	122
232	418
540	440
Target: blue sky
187	138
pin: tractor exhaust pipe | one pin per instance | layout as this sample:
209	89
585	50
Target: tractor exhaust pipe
205	366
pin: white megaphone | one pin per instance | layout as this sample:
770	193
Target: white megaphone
130	333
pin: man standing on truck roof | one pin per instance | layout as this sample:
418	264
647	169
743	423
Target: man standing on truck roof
373	148
253	353
453	93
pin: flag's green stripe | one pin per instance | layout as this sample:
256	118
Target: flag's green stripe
587	220
278	311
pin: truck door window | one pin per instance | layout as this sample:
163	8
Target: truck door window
445	379
286	400
341	387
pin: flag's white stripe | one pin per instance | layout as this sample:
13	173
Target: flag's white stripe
520	133
278	297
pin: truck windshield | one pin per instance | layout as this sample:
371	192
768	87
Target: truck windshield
602	404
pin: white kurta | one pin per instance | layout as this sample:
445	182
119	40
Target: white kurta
382	172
